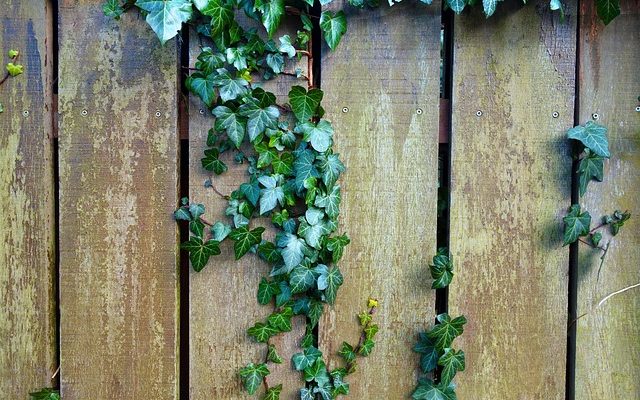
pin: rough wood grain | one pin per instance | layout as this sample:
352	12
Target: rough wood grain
382	95
222	297
510	187
27	229
118	189
608	336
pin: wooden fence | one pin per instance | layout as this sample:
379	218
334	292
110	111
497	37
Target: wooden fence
90	164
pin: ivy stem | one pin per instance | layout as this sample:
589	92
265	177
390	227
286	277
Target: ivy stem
363	336
304	53
266	360
592	245
283	108
224	196
296	75
204	221
598	227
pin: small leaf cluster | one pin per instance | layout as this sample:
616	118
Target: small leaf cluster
435	349
593	148
13	69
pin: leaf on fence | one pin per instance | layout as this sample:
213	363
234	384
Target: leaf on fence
166	16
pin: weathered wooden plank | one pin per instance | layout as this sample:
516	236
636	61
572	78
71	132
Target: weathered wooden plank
118	189
382	95
608	336
222	297
510	187
27	228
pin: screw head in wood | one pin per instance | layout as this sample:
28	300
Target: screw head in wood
479	113
201	111
595	116
555	114
84	113
158	113
345	109
638	109
25	113
419	111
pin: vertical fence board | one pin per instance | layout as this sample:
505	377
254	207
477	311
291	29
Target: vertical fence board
118	189
386	68
27	229
510	187
222	297
608	336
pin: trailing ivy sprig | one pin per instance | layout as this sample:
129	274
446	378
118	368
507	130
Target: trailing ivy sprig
13	69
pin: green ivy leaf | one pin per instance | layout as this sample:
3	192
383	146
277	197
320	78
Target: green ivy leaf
259	118
446	330
336	246
245	239
272	12
442	269
619	218
301	279
281	320
333	280
220	231
367	347
266	291
306	394
608	10
428	353
262	332
591	167
199	251
202	85
273	356
333	27
304	104
211	162
330	202
273	393
251	191
451	361
275	62
427	390
576	224
315	312
111	8
45	394
182	214
283	164
230	88
286	46
197	227
208	61
593	136
284	294
347	353
166	16
292	249
489	7
331	168
304	168
271	195
305	359
456	5
14	70
317	372
252	376
221	15
230	122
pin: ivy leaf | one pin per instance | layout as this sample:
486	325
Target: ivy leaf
576	224
181	214
220	231
166	16
304	168
339	385
284	294
230	88
489	7
346	352
330	202
252	376
331	168
306	394
245	239
111	8
451	361
286	46
442	269
202	85
266	291
456	5
619	218
251	191
275	62
319	135
14	69
199	251
208	61
259	118
211	162
268	252
446	330
304	104
281	320
45	394
227	120
221	15
590	167
197	227
428	353
237	58
608	10
271	195
283	164
336	246
273	393
367	347
305	359
315	312
272	12
273	356
333	27
593	136
427	390
262	332
317	372
292	249
301	279
334	280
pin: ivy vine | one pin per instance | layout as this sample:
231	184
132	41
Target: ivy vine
13	69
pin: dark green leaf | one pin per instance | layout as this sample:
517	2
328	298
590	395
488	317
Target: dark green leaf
319	135
427	390
331	168
447	329
230	88
252	376
273	356
608	10
166	16
232	123
347	352
593	136
262	332
301	279
305	359
333	26
330	202
367	347
281	320
211	162
273	393
221	15
182	214
199	251
201	85
441	269
245	239
333	281
317	372
576	224
590	167
336	246
266	291
451	361
259	118
304	104
111	8
272	12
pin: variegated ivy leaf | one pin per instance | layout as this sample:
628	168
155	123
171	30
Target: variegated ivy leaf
331	167
273	356
272	12
245	239
330	202
452	361
441	269
111	8
252	376
260	118
305	359
199	251
593	136
332	281
333	26
576	224
271	195
293	249
230	88
301	279
447	329
166	16
221	14
273	393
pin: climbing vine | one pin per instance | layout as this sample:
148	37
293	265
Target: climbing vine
13	69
